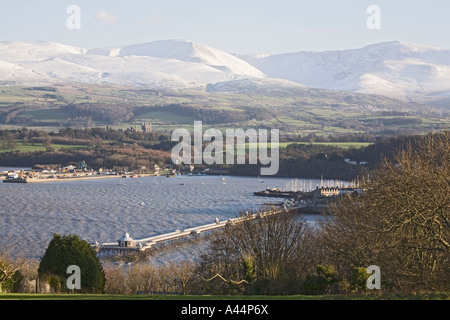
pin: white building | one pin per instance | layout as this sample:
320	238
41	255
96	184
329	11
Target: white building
126	241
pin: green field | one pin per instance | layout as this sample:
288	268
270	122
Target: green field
344	145
165	118
33	148
313	111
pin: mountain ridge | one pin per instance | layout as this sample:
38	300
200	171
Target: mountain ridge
392	68
177	64
396	69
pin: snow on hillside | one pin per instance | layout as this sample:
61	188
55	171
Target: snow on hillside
24	51
17	74
161	65
275	87
390	68
193	52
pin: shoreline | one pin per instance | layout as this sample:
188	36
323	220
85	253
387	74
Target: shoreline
80	178
97	177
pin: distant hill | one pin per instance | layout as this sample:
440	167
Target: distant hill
396	69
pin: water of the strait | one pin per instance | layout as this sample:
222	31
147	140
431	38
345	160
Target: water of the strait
102	210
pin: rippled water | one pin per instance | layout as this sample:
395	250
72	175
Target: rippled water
101	210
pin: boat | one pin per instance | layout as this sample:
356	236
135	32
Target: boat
276	193
16	180
196	174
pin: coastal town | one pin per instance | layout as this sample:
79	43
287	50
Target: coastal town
81	171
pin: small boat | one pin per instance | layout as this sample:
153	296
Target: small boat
277	193
16	180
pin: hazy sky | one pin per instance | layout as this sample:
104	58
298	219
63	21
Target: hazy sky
244	26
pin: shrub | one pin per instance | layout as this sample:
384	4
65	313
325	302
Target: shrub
321	282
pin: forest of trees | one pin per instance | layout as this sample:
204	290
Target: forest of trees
100	148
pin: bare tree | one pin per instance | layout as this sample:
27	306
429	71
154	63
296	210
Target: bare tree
182	275
8	268
262	253
115	280
28	268
401	223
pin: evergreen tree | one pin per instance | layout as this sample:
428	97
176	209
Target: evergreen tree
64	251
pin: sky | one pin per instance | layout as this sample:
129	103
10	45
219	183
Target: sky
234	26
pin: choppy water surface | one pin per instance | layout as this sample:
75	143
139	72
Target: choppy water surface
101	210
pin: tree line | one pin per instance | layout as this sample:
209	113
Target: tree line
106	148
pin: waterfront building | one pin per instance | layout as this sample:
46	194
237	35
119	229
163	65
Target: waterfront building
126	241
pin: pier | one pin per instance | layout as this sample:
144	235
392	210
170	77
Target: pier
311	202
126	243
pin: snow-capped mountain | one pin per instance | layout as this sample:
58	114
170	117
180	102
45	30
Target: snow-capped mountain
391	68
172	64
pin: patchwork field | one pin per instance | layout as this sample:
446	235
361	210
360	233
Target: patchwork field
317	112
